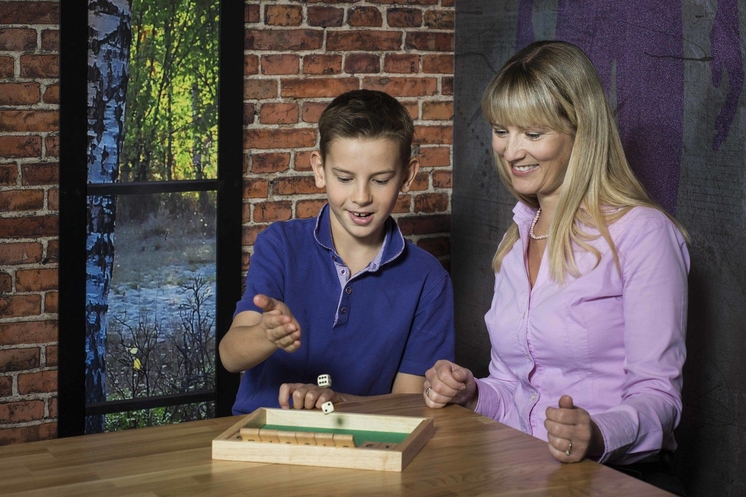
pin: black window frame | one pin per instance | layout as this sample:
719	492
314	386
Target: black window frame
74	189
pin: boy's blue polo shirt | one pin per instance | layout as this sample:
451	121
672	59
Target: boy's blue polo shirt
396	316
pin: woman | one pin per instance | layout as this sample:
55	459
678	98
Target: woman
588	317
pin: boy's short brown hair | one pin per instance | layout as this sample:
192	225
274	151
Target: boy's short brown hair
366	114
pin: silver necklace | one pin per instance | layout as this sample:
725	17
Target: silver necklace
533	223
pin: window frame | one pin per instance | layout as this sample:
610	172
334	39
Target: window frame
74	189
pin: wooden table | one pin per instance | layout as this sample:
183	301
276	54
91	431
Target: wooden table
469	455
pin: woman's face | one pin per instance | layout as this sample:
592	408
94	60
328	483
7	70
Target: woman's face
537	157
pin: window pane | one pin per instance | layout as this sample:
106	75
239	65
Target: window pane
159	416
160	323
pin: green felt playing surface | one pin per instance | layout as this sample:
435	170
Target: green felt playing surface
360	436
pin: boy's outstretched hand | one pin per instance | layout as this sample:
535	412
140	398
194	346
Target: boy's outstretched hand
278	323
306	396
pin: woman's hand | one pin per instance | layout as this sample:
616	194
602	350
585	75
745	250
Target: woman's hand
571	432
306	396
449	383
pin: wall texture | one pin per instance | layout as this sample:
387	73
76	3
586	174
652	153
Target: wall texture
674	72
298	56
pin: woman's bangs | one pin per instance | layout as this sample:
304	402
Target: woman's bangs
523	104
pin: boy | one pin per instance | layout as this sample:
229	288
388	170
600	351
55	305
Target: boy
343	294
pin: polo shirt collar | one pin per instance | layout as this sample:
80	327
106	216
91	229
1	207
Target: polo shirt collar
393	245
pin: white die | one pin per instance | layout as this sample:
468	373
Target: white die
327	407
324	381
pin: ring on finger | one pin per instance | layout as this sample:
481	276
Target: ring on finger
427	392
569	449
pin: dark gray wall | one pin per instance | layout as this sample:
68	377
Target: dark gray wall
685	134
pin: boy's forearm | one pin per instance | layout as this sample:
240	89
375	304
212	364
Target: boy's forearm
243	347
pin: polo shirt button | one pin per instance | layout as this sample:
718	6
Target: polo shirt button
342	272
343	310
348	290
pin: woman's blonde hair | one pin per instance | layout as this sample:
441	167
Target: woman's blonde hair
554	84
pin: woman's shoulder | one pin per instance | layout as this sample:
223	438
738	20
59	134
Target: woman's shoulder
642	221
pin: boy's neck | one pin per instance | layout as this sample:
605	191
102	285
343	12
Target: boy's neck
357	253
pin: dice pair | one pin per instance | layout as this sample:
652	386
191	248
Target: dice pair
325	381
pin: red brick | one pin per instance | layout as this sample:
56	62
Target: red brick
245	213
424	225
19	412
270	163
306	209
402	63
447	86
6	282
8	174
18	306
52	145
437	63
371	41
29	227
439	19
52	94
6	387
17	39
431	202
413	108
406	2
40	382
322	64
403	204
302	161
280	64
433	135
53	199
29	13
40	66
279	138
364	17
50	40
317	87
250	65
245	262
21	200
268	212
251	13
438	42
52	250
33	433
18	360
20	146
437	246
295	184
435	156
43	173
20	253
28	333
7	67
29	120
52	407
437	111
279	113
249	233
403	87
283	39
256	188
447	3
36	280
51	302
283	15
311	111
19	93
325	17
248	114
404	18
421	182
362	63
259	89
51	356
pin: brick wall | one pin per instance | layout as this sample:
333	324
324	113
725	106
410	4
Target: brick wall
29	200
298	56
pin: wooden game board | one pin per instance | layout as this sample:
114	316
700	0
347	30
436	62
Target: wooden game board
385	443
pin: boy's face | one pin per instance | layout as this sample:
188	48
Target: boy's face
363	178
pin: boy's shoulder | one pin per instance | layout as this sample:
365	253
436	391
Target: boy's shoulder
291	229
419	259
